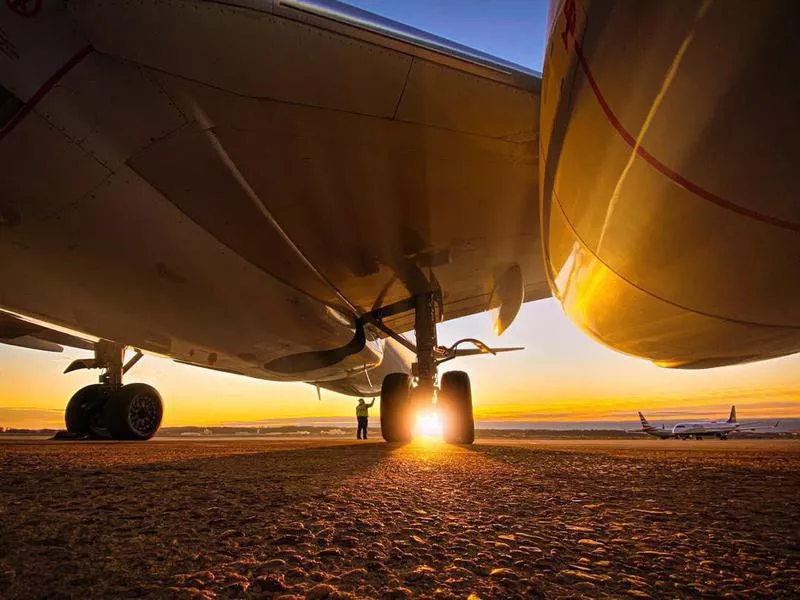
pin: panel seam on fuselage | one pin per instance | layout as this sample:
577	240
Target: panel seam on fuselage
44	89
322	108
403	91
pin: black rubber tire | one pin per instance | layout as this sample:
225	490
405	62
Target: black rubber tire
134	412
455	399
397	418
77	415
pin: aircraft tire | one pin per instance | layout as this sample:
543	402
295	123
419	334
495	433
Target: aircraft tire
458	423
397	423
134	412
77	415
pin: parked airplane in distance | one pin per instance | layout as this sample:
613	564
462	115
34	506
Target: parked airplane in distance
662	433
700	429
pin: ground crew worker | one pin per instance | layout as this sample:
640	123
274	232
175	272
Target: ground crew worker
362	414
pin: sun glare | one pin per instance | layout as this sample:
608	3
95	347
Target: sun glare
429	425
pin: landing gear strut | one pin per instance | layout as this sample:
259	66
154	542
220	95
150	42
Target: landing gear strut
109	409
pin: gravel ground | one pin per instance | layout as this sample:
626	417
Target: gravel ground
323	519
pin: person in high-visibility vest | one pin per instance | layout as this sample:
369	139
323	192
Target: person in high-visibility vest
362	414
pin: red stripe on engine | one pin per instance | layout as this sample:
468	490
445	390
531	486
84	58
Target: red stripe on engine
664	169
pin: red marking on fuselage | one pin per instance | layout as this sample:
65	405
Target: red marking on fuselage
676	177
42	91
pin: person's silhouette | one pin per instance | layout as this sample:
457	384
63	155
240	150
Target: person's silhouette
362	414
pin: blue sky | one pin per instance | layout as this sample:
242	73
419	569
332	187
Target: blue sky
509	29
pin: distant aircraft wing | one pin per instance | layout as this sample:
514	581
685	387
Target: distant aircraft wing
15	331
394	161
758	425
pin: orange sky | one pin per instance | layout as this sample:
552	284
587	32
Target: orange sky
561	375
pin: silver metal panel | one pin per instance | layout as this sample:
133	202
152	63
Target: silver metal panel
249	52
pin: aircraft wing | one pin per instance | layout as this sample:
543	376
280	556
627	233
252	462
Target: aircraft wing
758	425
389	160
15	331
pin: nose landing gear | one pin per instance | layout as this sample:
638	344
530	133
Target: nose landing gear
109	409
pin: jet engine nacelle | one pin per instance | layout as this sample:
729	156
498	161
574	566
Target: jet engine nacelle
669	177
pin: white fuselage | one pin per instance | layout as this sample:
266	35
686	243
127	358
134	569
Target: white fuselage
704	428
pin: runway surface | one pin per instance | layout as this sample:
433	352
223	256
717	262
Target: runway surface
207	518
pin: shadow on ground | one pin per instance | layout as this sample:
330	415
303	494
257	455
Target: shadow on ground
341	520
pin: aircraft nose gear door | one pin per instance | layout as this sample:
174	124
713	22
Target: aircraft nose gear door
110	409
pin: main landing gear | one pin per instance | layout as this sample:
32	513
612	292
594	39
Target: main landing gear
403	395
109	409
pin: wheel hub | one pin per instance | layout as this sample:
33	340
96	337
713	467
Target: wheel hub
143	413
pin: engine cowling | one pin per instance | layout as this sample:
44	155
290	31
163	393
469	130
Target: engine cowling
668	177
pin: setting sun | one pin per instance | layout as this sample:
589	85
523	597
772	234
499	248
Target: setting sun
429	425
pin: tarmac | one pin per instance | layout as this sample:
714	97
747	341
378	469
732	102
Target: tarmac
254	518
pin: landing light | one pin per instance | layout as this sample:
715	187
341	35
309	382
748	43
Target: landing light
428	426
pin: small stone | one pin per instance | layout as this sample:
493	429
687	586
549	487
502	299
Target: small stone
502	573
274	563
321	591
421	572
354	575
398	593
237	588
296	574
269	583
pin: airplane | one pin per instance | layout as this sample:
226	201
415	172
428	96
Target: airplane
719	429
282	188
663	433
700	429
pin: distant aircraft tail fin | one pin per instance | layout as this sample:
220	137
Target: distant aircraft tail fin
645	425
732	418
